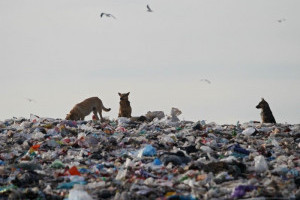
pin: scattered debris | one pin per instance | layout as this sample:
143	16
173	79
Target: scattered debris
161	157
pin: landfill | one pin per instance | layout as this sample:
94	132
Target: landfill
156	156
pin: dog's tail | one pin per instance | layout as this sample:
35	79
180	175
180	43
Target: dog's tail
105	109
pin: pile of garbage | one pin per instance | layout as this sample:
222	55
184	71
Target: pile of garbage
149	157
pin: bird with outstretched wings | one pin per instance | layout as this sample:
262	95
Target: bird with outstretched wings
107	15
30	100
206	80
281	20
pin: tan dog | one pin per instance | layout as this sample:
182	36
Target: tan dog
80	110
125	108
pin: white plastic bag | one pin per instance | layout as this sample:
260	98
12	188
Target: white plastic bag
249	131
260	164
76	194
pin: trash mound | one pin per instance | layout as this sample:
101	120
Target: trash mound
159	158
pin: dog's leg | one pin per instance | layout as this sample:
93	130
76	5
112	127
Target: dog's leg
100	114
95	113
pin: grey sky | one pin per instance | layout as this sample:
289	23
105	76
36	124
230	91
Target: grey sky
61	52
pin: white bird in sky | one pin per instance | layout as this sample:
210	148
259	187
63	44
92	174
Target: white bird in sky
149	9
206	80
107	15
30	100
281	20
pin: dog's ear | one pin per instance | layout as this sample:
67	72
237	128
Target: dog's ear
127	93
262	99
119	94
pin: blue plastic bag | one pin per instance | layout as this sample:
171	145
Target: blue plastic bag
149	150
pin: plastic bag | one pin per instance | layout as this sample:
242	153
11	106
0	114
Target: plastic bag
76	194
149	150
155	114
249	131
174	113
121	174
157	161
241	190
260	164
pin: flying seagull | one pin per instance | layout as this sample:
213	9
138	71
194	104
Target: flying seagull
30	100
205	80
107	15
281	20
149	9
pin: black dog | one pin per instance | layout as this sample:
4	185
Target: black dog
266	113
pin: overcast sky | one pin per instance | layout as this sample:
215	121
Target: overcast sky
60	52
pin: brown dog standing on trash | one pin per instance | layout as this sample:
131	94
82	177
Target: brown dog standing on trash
125	108
80	110
266	113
